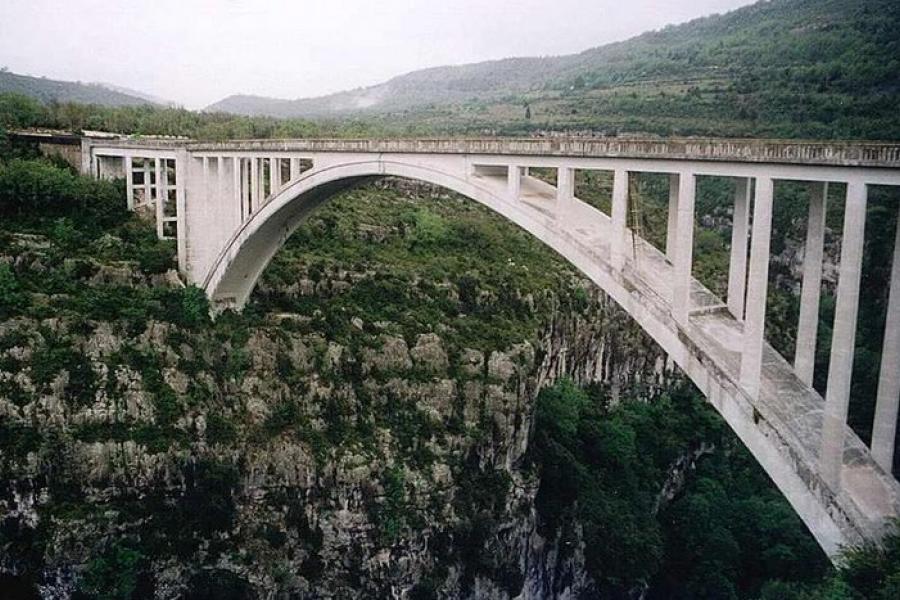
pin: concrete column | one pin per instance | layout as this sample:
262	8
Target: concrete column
220	180
87	162
757	287
618	219
672	225
514	182
274	175
147	195
565	187
843	340
181	185
245	188
884	429
129	182
684	248
236	192
807	328
295	169
255	185
737	267
157	172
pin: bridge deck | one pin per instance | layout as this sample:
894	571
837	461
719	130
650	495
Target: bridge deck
797	152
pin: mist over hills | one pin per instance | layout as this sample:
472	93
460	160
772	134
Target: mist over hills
833	63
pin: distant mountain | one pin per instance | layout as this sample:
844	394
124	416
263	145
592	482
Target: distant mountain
832	65
137	94
49	90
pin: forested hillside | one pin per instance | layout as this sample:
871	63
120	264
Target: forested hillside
50	90
784	68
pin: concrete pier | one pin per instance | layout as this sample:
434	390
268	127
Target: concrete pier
684	248
843	341
884	431
811	290
619	218
757	288
737	266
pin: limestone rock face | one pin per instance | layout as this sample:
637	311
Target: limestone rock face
305	461
393	355
429	355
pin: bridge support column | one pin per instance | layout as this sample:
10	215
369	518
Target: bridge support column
757	287
274	175
181	183
295	168
805	354
157	174
565	187
684	248
514	182
236	195
672	224
147	195
884	430
737	267
129	182
619	217
255	186
843	342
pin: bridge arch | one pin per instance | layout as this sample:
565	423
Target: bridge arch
834	519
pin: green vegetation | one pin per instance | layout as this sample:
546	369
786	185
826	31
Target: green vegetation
785	68
724	532
52	91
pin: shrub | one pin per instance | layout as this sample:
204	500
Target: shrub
38	190
10	296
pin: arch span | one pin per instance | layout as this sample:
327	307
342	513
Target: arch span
835	516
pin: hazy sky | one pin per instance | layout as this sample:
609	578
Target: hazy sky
195	52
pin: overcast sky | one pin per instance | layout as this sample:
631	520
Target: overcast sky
196	52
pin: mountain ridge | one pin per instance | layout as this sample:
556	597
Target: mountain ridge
56	90
776	62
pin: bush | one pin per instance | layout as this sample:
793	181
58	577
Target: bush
38	190
113	576
10	295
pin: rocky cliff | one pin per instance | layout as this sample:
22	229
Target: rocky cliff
294	453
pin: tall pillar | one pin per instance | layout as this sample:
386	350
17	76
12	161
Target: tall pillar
757	287
246	188
672	225
129	182
565	186
843	340
684	248
147	193
274	175
181	183
514	182
255	185
220	180
159	203
807	328
619	219
295	169
737	267
237	192
884	429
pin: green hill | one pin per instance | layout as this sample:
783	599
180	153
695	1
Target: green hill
811	68
51	90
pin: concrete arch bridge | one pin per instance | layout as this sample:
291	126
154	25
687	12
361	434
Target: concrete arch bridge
231	206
